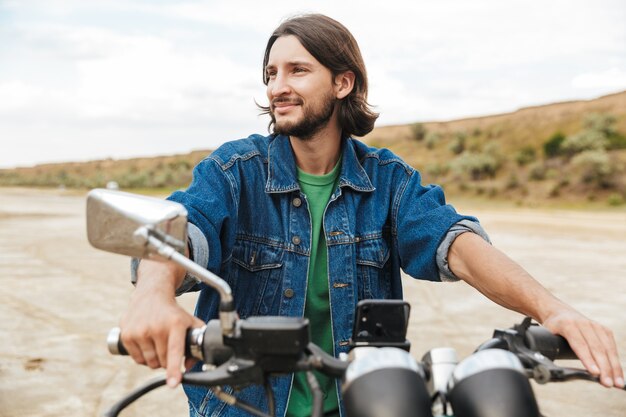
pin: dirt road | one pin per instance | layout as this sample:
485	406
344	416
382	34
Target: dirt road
59	297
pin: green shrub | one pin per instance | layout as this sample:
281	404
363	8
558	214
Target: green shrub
432	138
555	189
593	167
492	148
587	140
552	173
552	147
525	155
180	164
437	170
476	165
616	141
457	146
512	182
615	200
537	172
419	131
600	122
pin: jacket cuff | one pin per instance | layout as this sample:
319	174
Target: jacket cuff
445	274
199	253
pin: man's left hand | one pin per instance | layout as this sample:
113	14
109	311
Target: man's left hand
593	343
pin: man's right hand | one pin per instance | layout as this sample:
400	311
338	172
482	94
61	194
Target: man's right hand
154	327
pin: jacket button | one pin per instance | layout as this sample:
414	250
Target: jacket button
297	202
296	240
288	293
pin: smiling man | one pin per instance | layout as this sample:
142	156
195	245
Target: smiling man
308	221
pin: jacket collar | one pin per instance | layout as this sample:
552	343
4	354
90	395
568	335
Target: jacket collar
282	175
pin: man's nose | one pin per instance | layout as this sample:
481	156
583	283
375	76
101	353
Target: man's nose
279	86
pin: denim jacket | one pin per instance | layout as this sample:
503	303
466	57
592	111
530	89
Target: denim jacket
250	224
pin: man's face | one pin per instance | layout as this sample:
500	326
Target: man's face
300	90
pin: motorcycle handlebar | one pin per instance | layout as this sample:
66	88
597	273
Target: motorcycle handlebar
536	338
550	345
193	342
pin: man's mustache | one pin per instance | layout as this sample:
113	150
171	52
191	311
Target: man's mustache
286	100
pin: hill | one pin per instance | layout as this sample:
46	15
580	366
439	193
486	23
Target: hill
570	151
172	171
574	151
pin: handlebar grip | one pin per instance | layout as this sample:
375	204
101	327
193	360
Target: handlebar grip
550	345
116	347
114	342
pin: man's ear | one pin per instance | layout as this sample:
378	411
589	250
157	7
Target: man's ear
344	83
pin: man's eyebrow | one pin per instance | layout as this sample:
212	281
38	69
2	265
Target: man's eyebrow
294	63
300	63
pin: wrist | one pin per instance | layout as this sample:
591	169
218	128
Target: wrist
159	277
550	309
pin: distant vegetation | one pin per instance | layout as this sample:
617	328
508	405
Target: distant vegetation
574	151
567	152
168	172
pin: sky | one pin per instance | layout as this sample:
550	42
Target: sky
83	80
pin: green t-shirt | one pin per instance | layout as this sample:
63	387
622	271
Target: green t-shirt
317	189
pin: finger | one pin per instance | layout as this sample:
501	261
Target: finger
133	349
148	350
580	347
591	334
175	352
161	345
615	373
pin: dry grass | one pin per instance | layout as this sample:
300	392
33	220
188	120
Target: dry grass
509	133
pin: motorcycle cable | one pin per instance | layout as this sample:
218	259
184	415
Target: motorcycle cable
134	395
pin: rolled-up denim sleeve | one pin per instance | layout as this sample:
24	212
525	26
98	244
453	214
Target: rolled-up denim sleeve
199	254
423	222
463	226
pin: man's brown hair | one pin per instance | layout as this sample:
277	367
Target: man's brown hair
333	46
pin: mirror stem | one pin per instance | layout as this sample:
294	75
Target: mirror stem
228	315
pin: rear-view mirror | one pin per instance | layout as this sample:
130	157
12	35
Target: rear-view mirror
113	217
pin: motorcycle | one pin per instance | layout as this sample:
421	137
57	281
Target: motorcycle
379	377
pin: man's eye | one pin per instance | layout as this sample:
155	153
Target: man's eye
299	69
270	74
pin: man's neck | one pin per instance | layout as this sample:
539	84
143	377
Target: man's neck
319	154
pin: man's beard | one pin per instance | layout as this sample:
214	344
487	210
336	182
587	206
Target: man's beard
313	120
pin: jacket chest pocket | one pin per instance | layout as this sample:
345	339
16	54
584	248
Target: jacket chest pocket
373	275
256	277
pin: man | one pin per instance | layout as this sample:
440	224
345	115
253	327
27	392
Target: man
308	221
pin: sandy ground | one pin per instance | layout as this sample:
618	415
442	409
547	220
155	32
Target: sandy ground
59	297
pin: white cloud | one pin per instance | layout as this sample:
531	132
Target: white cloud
611	79
138	77
184	74
17	95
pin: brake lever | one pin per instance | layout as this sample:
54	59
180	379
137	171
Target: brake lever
542	369
568	374
234	372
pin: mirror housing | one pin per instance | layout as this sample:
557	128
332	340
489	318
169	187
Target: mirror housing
114	217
